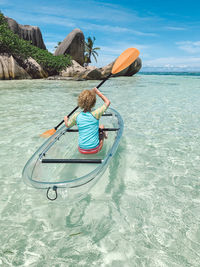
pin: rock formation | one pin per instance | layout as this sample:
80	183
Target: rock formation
30	69
10	69
27	32
130	71
73	71
34	69
91	74
74	45
77	72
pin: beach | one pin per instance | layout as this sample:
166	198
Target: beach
145	207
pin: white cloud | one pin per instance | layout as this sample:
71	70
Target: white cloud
173	62
114	29
94	10
103	60
71	23
90	15
189	46
118	48
171	28
53	20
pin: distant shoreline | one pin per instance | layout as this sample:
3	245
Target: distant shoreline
180	73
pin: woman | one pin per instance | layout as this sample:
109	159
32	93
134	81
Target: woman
90	136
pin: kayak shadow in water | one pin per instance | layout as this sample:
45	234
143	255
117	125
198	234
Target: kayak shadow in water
117	169
77	212
115	187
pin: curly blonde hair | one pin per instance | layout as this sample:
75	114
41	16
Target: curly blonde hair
87	100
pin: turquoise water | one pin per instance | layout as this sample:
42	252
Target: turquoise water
145	209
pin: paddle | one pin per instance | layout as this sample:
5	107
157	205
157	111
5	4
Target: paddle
122	62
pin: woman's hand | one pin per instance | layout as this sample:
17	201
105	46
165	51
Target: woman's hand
66	121
97	91
104	98
94	89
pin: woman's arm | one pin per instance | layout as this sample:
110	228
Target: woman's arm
103	97
72	121
66	121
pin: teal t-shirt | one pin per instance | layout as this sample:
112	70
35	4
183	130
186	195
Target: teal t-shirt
88	127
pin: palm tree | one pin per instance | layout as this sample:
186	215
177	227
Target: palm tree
57	45
90	51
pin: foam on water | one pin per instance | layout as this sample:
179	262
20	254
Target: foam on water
145	209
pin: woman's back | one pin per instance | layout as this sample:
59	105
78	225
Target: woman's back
88	127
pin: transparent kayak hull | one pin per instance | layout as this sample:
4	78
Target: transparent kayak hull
58	165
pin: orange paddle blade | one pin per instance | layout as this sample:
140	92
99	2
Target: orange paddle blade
48	133
125	60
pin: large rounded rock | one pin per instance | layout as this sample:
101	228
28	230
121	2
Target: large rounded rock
34	69
12	69
129	71
27	32
77	72
106	70
91	74
73	70
9	69
74	45
132	69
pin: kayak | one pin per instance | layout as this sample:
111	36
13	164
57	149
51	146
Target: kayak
58	166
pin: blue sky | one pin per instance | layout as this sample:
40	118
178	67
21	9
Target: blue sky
167	33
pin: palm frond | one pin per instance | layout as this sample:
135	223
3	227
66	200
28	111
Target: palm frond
94	57
94	52
89	50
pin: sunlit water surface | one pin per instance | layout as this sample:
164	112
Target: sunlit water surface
144	210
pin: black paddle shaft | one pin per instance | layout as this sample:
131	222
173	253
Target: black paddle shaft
78	106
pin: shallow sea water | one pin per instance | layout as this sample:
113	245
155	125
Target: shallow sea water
144	210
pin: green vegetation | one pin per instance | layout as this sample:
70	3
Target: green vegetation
20	49
90	51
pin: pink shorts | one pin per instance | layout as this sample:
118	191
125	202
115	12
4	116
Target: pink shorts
90	151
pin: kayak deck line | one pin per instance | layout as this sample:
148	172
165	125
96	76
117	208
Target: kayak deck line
97	161
107	114
103	129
